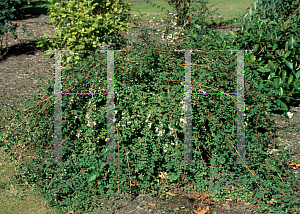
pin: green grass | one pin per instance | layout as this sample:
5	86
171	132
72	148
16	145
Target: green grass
228	9
16	198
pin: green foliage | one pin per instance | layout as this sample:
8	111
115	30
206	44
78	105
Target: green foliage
272	31
8	10
276	48
280	10
183	7
185	14
84	25
149	93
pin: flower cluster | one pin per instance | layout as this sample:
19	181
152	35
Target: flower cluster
171	37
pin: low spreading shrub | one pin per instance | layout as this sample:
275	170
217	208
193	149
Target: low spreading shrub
148	90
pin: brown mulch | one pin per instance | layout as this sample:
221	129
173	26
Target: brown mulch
24	64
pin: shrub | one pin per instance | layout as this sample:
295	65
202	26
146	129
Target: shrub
84	25
271	29
149	79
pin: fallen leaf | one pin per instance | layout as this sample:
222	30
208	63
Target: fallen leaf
202	196
163	175
294	165
172	194
201	211
174	207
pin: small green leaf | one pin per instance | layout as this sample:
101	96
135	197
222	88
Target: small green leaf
268	82
283	74
255	48
271	65
290	79
287	46
282	104
287	54
276	81
260	33
288	64
197	26
272	75
291	43
297	74
274	47
94	177
263	70
281	91
278	53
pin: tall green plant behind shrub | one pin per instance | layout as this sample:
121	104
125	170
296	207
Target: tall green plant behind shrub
185	14
272	30
85	24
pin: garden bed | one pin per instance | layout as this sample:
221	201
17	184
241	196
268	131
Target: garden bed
24	59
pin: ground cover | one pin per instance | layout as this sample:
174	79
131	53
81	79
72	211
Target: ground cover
15	62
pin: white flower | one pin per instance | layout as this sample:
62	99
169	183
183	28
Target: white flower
148	117
182	120
166	146
161	133
290	114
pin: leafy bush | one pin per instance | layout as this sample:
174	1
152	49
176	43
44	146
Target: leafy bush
276	48
272	31
186	14
148	84
84	25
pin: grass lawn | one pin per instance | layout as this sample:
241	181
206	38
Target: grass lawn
228	9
